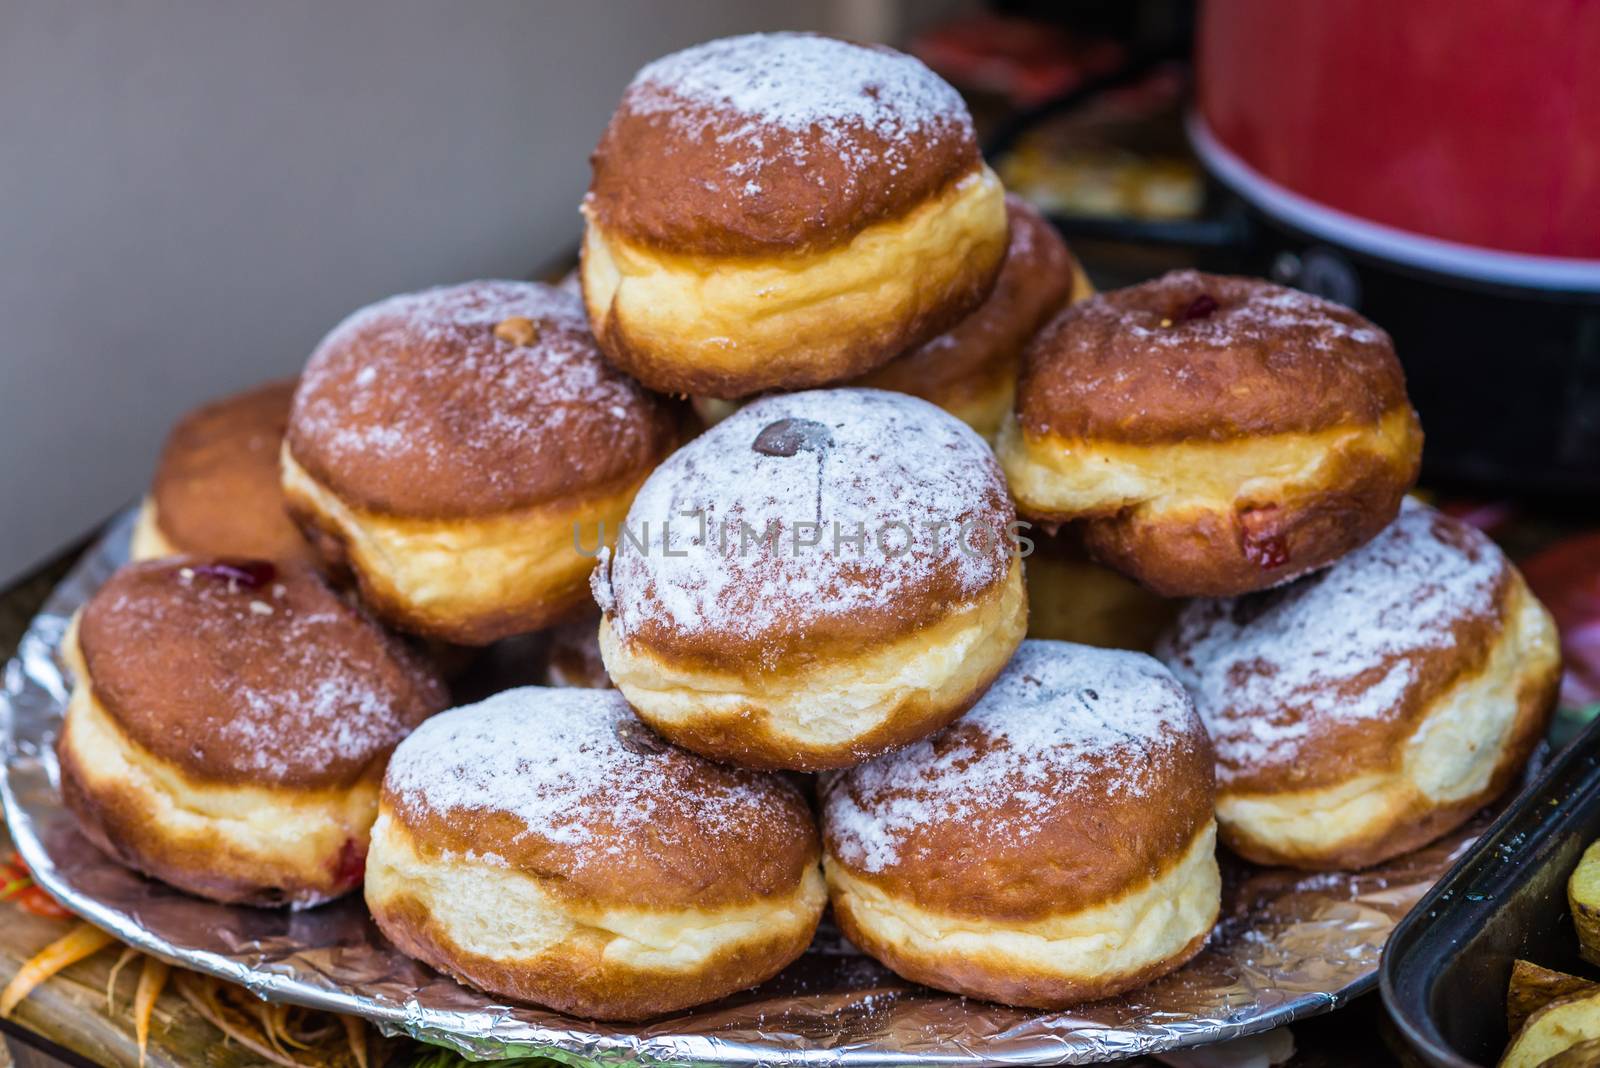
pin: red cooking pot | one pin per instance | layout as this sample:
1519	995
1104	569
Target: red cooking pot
1451	136
1434	164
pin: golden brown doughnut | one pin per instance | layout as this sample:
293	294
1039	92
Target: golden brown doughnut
1215	435
546	846
781	211
445	445
970	370
216	489
1367	709
1073	599
1054	845
229	726
572	654
852	587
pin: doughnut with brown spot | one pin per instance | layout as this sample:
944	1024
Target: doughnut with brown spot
1366	709
446	445
229	725
1214	435
216	489
545	845
1054	845
784	210
819	578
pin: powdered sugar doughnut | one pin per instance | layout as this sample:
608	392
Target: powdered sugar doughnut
444	444
547	846
784	210
1054	845
817	579
229	726
1366	709
1214	435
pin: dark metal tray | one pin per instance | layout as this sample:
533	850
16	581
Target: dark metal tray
1446	966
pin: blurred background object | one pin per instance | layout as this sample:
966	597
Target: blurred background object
193	194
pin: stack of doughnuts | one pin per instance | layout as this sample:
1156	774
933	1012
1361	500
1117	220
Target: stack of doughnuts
836	577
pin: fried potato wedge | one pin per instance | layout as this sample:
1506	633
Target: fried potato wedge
1558	1027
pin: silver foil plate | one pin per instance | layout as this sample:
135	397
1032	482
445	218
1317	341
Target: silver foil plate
1288	944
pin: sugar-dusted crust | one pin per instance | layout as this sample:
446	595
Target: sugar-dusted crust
1145	365
741	619
470	401
1215	435
771	576
773	143
567	785
272	680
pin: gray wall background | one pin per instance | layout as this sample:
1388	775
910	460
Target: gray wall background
192	193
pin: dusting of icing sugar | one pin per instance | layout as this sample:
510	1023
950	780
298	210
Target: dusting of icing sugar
285	680
1264	315
575	766
1057	713
727	539
1271	671
447	383
340	715
798	84
798	81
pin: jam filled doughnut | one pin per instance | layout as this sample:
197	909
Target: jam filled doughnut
971	369
446	444
545	845
216	489
1054	845
1215	435
1369	708
784	210
229	725
818	578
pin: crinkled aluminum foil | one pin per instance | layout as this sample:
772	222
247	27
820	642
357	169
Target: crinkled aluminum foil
1289	945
